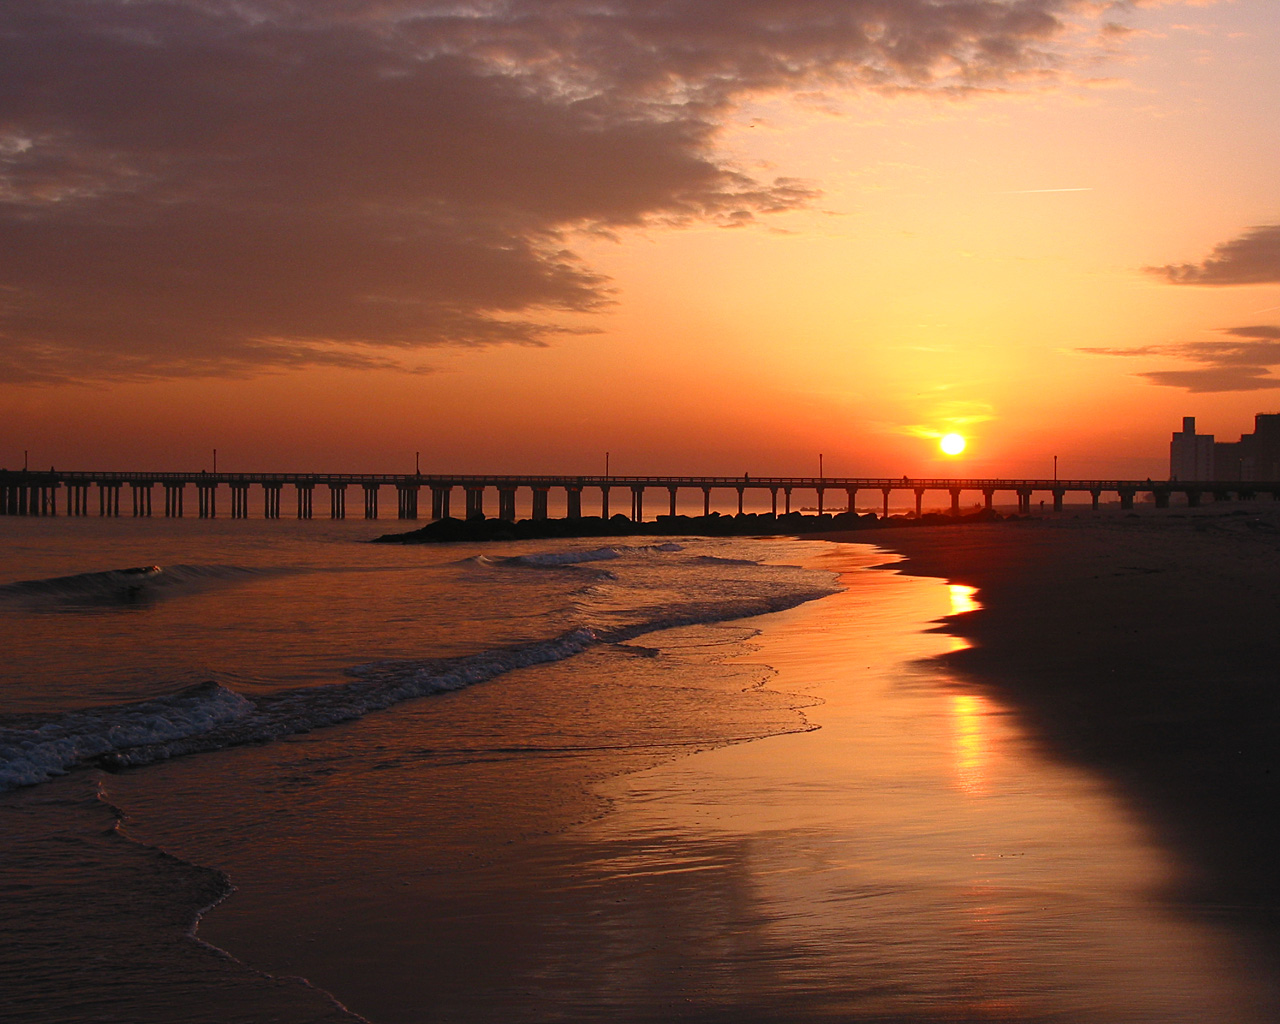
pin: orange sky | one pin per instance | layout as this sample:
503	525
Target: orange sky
794	228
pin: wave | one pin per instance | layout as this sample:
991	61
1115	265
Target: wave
120	586
552	559
209	717
35	749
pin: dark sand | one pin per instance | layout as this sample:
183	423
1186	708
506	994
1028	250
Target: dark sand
1146	648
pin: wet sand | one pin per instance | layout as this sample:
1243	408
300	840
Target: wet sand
1145	648
910	857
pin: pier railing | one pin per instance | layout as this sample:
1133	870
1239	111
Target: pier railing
31	493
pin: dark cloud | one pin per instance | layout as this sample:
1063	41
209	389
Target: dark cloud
1253	258
1242	365
228	186
1215	379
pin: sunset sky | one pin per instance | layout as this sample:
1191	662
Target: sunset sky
707	236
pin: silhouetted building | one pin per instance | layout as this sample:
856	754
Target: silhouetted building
1255	456
1191	455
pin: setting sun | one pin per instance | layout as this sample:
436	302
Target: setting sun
952	444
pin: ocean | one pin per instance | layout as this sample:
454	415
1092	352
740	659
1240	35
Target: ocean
268	771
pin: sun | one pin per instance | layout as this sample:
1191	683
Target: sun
952	444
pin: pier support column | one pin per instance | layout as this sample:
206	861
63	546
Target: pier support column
370	500
604	501
207	499
337	501
507	504
1059	494
141	499
741	490
173	494
988	499
786	495
706	501
955	501
540	503
637	503
407	503
304	498
475	502
884	493
77	500
1193	499
672	492
240	501
919	500
1162	497
773	495
1126	499
1095	497
852	494
573	497
821	492
440	501
1024	502
271	500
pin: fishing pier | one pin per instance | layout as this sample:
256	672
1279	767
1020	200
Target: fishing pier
72	493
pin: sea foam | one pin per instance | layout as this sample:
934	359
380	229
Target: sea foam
210	717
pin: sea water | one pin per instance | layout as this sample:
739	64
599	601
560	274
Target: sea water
269	771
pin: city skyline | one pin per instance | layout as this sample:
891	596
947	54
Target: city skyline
707	243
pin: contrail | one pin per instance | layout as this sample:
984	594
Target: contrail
1032	191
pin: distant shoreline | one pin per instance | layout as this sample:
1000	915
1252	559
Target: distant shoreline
747	524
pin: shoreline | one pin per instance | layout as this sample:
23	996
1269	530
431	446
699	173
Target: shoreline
745	524
1145	650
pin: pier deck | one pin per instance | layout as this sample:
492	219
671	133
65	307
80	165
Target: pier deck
30	493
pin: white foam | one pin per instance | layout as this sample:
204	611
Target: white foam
593	555
36	752
210	717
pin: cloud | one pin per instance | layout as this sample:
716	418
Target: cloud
194	187
1253	258
1237	365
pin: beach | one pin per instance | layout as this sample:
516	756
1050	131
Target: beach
1143	647
799	781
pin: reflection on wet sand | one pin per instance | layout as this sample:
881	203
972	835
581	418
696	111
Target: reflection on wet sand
917	858
914	858
969	713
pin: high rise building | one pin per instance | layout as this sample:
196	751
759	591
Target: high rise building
1255	456
1191	455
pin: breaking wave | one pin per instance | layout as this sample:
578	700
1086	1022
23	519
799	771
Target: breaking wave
209	717
552	559
120	586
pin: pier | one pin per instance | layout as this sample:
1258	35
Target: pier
74	493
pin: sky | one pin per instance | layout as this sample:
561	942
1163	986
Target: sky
704	236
